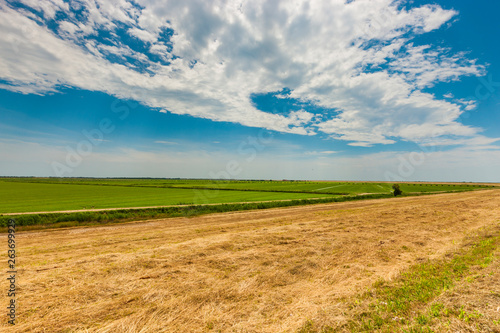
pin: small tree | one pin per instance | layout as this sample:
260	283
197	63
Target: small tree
397	190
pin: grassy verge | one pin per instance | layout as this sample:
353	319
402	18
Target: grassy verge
59	220
396	305
406	305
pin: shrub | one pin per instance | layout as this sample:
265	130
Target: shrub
397	190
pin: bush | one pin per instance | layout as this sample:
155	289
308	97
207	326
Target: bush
397	190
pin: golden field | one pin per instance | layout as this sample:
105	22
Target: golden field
256	271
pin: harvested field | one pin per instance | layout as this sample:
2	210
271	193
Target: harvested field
255	271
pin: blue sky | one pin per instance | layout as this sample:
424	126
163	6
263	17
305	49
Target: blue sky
333	90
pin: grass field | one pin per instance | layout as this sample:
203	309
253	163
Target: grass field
259	185
52	194
411	264
35	197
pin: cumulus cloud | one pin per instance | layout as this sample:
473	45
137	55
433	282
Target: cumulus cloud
206	59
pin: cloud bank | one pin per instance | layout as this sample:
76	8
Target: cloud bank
356	60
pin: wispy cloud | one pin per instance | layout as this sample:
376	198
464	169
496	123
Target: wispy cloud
167	142
206	59
320	153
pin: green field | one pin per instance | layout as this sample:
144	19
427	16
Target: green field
331	187
53	194
16	197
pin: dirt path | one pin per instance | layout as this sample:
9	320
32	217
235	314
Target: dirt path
251	271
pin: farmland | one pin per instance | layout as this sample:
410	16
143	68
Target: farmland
52	194
417	263
35	197
212	257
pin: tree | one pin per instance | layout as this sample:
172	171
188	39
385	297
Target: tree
397	190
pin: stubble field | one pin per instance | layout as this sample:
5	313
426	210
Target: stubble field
297	269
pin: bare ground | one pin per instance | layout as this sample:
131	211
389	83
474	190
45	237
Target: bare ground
253	271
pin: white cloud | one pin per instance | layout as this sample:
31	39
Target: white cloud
467	103
167	142
478	142
425	66
320	153
226	51
142	35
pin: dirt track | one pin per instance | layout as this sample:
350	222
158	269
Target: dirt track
253	271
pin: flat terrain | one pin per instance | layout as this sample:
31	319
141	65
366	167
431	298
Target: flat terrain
273	270
18	195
